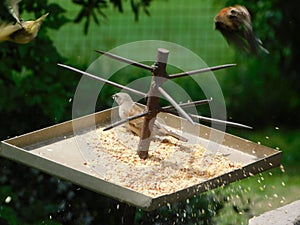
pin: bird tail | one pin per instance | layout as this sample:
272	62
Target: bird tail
177	136
259	43
255	44
167	131
6	29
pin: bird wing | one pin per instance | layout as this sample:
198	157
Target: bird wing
7	29
136	124
13	8
134	110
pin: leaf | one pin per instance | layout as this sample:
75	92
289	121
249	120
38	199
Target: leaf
7	214
95	17
117	4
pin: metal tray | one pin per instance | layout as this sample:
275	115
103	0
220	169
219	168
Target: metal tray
55	151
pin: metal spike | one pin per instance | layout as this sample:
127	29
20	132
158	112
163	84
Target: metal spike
220	121
129	61
188	104
176	106
104	80
203	70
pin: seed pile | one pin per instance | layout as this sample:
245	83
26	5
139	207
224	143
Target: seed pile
172	165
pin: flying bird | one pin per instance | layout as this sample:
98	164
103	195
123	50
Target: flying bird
20	32
128	108
234	22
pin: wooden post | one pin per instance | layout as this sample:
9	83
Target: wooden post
159	76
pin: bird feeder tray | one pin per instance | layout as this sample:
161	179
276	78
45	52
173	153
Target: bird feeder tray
56	151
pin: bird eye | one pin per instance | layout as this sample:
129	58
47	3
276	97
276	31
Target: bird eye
233	12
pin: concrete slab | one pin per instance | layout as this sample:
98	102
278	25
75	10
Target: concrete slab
286	215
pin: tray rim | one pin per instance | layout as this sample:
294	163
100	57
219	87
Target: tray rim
12	148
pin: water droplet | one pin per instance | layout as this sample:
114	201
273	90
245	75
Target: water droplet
282	168
261	188
8	199
169	205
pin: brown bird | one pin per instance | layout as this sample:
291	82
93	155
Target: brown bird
234	22
128	108
21	32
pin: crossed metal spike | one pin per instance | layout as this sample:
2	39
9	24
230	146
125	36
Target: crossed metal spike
158	71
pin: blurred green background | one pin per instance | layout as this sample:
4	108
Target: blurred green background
263	92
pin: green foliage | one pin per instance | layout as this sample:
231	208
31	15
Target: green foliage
19	204
30	83
94	8
89	9
136	5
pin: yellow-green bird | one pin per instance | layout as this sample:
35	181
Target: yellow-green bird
20	32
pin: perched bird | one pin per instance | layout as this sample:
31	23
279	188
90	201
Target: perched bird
128	108
234	22
21	32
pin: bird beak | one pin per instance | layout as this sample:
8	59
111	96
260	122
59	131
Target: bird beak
42	17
